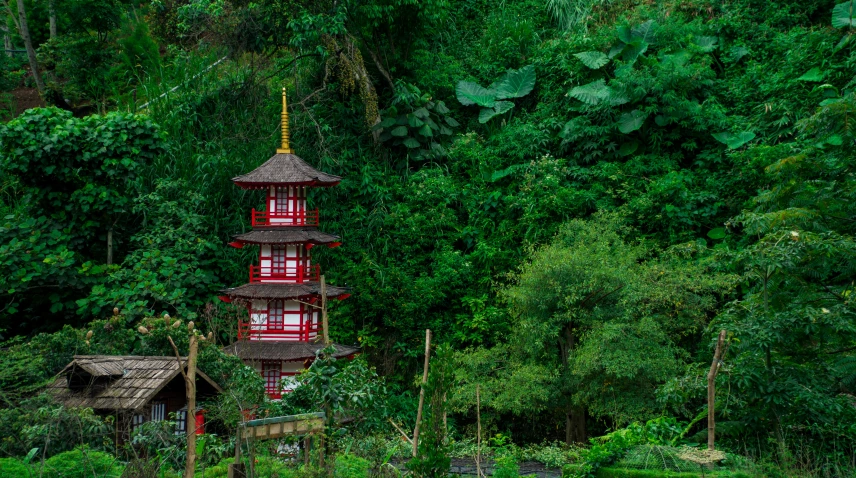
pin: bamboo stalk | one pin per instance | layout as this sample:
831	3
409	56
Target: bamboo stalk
478	432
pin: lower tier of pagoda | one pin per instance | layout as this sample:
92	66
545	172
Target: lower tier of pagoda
279	363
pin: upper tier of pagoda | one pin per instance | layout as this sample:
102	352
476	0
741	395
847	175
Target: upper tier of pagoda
285	169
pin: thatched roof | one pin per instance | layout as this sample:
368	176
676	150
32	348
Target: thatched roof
286	351
285	169
286	235
267	290
108	382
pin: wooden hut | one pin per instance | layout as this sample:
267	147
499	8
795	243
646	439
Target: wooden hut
134	389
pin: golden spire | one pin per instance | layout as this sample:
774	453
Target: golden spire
286	148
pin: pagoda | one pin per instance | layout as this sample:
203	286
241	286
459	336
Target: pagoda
281	336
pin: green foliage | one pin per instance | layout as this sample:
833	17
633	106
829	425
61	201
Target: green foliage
79	178
514	84
13	468
350	466
416	122
83	462
432	455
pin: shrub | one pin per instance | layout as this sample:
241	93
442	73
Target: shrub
351	466
82	462
505	466
13	468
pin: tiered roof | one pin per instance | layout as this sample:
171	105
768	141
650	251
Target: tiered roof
285	235
285	169
280	290
286	351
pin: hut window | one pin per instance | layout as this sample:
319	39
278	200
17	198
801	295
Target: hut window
181	421
137	420
158	411
272	373
275	315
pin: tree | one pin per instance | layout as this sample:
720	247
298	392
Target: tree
78	179
794	345
599	322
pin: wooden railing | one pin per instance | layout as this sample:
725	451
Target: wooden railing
289	273
294	218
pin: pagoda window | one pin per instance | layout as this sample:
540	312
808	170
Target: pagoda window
278	260
272	374
275	319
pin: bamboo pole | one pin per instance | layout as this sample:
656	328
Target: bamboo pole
422	391
711	390
478	432
324	325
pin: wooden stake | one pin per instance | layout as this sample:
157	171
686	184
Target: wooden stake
109	242
190	390
478	431
401	431
324	312
711	389
422	390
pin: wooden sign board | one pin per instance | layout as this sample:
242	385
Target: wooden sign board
277	427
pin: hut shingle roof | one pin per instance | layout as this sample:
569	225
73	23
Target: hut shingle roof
285	169
286	235
118	382
286	351
262	290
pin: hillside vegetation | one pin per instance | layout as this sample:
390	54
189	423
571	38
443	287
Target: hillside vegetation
575	196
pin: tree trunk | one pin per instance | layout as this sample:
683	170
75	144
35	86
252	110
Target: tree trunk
190	387
711	390
422	391
28	44
52	17
575	426
7	40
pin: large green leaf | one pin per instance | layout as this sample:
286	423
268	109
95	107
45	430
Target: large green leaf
645	31
499	108
815	74
593	59
470	93
411	143
399	131
591	93
843	15
516	83
734	141
707	43
629	122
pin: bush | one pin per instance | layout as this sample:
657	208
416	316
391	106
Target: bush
613	472
13	468
505	466
351	466
83	462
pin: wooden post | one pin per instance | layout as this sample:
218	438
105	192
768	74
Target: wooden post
236	470
109	244
326	331
711	389
190	390
478	431
422	390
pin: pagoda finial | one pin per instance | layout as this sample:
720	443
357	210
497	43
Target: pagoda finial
286	148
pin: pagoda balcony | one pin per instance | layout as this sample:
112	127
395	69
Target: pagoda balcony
291	218
276	333
311	273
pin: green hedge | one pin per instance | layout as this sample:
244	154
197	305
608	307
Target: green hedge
12	468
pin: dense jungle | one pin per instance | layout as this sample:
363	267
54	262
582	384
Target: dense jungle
575	196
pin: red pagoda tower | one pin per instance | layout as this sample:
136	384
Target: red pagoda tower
282	295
